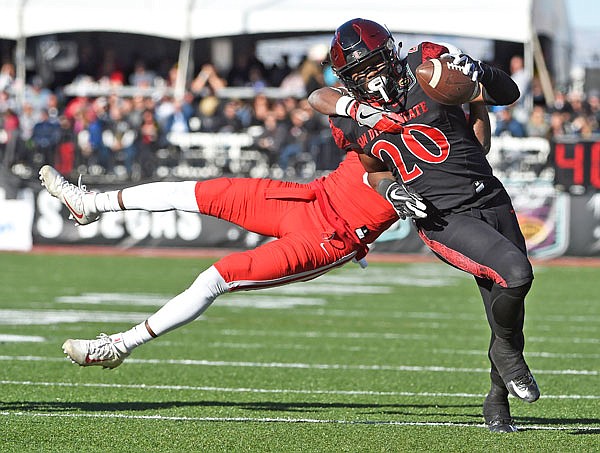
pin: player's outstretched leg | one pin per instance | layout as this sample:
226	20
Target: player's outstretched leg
506	350
105	351
109	351
76	198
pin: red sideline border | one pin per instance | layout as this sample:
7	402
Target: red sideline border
219	253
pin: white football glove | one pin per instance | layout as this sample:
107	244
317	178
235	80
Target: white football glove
469	67
406	202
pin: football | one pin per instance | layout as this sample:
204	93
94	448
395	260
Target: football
445	82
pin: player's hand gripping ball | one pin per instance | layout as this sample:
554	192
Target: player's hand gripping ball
446	82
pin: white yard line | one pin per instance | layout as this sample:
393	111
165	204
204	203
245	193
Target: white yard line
275	391
383	335
309	366
283	420
542	354
476	352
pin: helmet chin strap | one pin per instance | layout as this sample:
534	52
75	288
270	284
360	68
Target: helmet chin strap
378	84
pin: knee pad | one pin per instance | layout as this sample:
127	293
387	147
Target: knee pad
508	304
519	272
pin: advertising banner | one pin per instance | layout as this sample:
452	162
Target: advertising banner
16	218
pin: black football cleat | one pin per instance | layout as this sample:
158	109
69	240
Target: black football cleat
514	371
524	387
496	411
501	425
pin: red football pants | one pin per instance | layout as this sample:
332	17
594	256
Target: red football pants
305	248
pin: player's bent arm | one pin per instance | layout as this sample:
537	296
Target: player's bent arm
479	120
406	202
331	101
324	100
375	168
499	88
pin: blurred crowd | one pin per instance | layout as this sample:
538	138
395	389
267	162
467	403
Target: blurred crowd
127	135
573	113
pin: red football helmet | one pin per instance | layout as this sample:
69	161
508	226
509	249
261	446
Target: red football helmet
363	55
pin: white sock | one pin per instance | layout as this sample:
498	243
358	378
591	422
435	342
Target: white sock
107	201
180	310
161	196
155	196
135	336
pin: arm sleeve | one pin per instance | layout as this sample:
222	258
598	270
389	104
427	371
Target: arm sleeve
499	88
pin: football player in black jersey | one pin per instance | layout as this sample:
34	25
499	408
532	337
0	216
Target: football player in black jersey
435	158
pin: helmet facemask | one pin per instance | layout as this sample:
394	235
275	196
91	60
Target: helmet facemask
374	78
364	56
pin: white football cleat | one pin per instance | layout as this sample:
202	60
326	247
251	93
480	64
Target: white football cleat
77	199
105	351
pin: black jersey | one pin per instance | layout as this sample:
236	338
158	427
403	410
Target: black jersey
437	154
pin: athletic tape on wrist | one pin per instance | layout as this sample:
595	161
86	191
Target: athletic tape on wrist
343	104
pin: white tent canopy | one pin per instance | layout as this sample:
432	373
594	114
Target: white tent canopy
508	20
186	20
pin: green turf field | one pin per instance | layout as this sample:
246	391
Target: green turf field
391	358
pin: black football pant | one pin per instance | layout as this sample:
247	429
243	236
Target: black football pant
488	243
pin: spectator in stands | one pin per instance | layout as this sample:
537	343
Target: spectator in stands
538	125
259	109
208	82
560	103
579	105
9	140
537	92
148	143
270	141
7	76
506	124
178	120
134	109
7	102
294	84
257	79
120	138
171	76
141	76
164	109
311	68
283	108
53	108
238	74
27	119
228	120
65	156
99	153
523	81
45	137
594	102
208	114
109	67
557	124
245	62
582	127
320	144
37	95
279	71
296	142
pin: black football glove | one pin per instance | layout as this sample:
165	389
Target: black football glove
406	202
469	67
